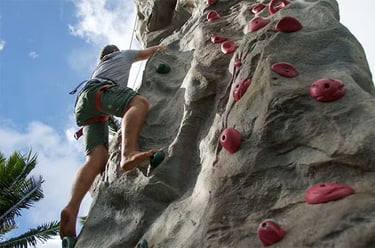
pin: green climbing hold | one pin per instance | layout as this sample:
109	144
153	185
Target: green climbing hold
68	242
142	244
156	159
163	68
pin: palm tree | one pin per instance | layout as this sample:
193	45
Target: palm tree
19	191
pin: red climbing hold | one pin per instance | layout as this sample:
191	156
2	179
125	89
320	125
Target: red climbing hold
257	23
285	69
237	63
258	8
217	39
327	89
212	16
276	5
269	232
288	24
211	2
324	192
230	139
240	88
228	47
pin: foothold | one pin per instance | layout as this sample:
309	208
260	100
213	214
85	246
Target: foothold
217	39
230	139
212	16
257	23
324	192
209	2
240	88
163	68
258	8
327	89
288	24
68	242
228	47
285	69
276	5
142	244
237	63
269	232
156	159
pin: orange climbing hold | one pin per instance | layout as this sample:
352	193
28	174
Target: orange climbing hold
257	23
228	47
325	192
285	69
230	139
217	39
212	16
258	8
327	89
276	5
240	88
288	24
269	232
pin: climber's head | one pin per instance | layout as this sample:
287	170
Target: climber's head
107	50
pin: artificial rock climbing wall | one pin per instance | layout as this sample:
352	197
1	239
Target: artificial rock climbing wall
266	112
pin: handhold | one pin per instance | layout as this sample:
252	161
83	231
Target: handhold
276	5
212	16
163	68
211	2
288	24
237	63
285	69
68	241
257	23
142	244
258	8
240	88
228	47
269	232
230	139
327	89
324	192
217	39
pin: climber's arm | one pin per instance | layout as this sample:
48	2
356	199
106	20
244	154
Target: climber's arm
148	52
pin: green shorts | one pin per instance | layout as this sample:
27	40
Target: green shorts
113	101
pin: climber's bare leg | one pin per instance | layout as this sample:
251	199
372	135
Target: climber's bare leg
94	164
131	126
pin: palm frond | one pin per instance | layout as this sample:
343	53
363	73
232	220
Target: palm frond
31	238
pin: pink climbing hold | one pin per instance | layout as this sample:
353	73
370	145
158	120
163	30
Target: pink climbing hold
257	23
228	47
258	8
285	69
240	88
211	2
324	192
237	63
327	89
217	39
269	232
212	16
276	5
230	139
288	24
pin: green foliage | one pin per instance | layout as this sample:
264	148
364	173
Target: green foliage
18	191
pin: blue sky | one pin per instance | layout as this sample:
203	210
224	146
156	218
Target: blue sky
46	48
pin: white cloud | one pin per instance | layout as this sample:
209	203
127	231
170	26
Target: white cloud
2	44
33	55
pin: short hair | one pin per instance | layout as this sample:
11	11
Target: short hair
107	50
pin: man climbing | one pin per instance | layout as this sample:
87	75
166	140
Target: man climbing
107	94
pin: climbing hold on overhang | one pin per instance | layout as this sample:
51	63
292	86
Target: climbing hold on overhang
285	69
327	89
257	23
228	47
269	232
217	39
240	88
209	2
324	192
276	5
230	139
163	68
258	8
212	16
288	24
237	62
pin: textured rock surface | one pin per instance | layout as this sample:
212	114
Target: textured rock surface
204	196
